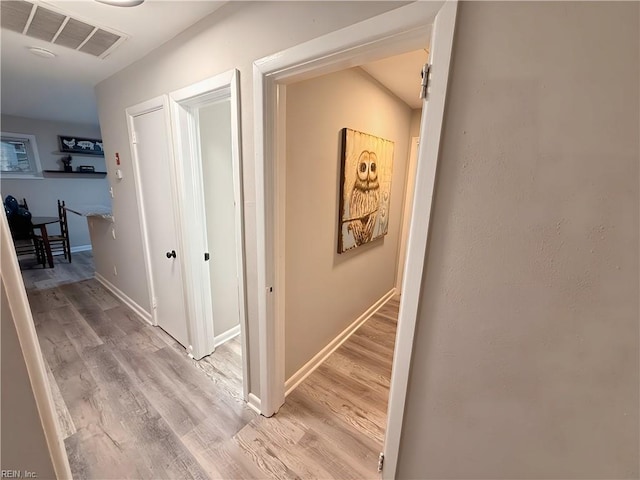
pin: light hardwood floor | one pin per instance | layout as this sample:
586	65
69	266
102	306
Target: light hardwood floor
35	277
133	405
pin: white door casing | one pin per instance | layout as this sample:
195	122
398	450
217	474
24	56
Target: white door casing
398	31
155	189
185	104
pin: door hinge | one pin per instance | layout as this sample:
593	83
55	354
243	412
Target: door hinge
134	137
206	256
380	461
424	84
154	304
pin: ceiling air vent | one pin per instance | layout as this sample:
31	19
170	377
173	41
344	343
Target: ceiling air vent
48	24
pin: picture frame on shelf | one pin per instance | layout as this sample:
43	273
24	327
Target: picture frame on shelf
80	145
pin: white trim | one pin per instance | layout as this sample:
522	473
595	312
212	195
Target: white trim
254	403
124	298
233	332
26	331
308	368
185	103
410	184
398	31
428	150
82	248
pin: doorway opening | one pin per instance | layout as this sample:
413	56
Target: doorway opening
342	288
404	29
205	124
195	261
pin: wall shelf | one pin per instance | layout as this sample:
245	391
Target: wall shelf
78	154
60	173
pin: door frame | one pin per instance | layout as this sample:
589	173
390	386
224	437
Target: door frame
184	104
154	104
391	33
410	186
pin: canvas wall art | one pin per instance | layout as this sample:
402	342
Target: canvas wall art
365	193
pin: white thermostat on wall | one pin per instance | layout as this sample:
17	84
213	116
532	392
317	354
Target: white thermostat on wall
119	174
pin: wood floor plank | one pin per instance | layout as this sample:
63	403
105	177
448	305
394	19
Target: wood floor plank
267	460
101	297
65	422
347	409
45	300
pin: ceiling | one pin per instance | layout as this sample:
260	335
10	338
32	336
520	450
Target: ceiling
401	75
62	88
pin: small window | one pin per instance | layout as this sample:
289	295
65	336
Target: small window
19	156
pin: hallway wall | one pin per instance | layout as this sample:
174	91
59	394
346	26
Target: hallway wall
327	291
525	363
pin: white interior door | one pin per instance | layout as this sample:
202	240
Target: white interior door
152	155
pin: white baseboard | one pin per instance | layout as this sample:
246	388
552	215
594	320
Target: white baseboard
308	368
254	403
137	309
226	336
76	249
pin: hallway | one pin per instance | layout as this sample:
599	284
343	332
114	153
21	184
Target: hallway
132	405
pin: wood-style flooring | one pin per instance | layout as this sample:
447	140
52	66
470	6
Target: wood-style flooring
36	277
131	404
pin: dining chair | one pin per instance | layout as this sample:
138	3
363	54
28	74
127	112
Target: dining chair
60	243
24	239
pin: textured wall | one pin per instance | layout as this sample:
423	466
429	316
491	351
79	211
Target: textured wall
525	362
327	291
42	195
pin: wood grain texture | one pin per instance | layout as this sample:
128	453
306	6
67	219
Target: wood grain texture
131	404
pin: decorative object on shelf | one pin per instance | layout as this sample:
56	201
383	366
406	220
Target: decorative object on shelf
66	162
85	168
365	188
85	146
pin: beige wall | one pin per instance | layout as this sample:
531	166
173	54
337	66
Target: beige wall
42	195
525	362
414	129
327	291
24	446
232	37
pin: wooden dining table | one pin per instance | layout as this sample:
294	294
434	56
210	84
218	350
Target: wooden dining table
41	223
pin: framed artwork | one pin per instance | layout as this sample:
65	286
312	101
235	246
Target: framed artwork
19	156
81	146
365	188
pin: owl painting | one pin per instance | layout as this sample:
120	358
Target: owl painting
365	189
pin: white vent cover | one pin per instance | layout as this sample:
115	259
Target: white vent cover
44	23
